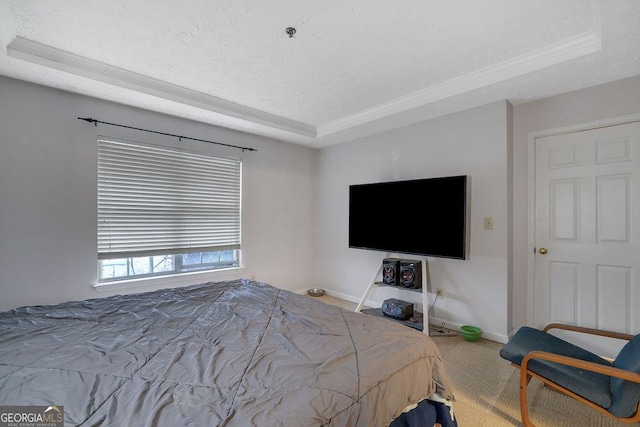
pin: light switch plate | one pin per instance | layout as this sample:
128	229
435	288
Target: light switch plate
488	223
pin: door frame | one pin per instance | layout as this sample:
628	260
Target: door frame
532	138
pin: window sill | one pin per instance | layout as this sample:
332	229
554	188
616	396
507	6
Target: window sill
173	280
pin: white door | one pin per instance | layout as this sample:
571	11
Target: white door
587	218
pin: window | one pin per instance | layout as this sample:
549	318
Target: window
159	265
165	211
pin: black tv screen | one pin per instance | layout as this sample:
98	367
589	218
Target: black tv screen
422	216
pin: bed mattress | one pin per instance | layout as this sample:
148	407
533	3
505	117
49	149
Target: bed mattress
231	353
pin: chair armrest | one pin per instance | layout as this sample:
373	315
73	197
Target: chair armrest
580	364
591	331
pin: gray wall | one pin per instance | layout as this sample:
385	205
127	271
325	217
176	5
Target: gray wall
295	198
48	195
474	143
493	293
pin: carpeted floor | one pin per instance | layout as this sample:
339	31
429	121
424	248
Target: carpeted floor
486	388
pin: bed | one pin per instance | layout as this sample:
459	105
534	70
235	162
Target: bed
229	353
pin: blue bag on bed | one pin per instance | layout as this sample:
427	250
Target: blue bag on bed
426	414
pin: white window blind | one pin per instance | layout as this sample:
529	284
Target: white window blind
154	200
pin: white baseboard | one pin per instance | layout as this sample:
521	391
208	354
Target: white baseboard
492	336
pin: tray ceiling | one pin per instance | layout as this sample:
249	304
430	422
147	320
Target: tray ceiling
351	69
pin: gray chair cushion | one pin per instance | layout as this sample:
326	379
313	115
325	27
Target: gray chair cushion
592	386
626	394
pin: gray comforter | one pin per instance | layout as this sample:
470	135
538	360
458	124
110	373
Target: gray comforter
233	353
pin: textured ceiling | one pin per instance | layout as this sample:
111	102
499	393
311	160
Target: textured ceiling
353	67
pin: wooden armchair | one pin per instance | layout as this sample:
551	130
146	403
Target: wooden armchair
611	387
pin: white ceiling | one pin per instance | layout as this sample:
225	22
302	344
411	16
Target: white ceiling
352	69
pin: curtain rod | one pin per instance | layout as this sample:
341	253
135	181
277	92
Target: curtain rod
180	137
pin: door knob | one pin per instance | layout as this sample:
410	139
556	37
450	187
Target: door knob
542	251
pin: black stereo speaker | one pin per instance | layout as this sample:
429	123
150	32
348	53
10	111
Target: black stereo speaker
411	273
397	309
391	271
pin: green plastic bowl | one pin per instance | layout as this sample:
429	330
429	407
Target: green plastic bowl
470	333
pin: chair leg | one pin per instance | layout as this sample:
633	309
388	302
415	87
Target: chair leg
525	378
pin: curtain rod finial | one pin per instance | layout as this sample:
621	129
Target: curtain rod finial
89	119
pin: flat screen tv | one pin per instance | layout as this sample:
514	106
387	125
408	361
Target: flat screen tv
422	216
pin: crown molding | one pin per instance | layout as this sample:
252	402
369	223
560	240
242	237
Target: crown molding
553	54
41	54
574	47
584	44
